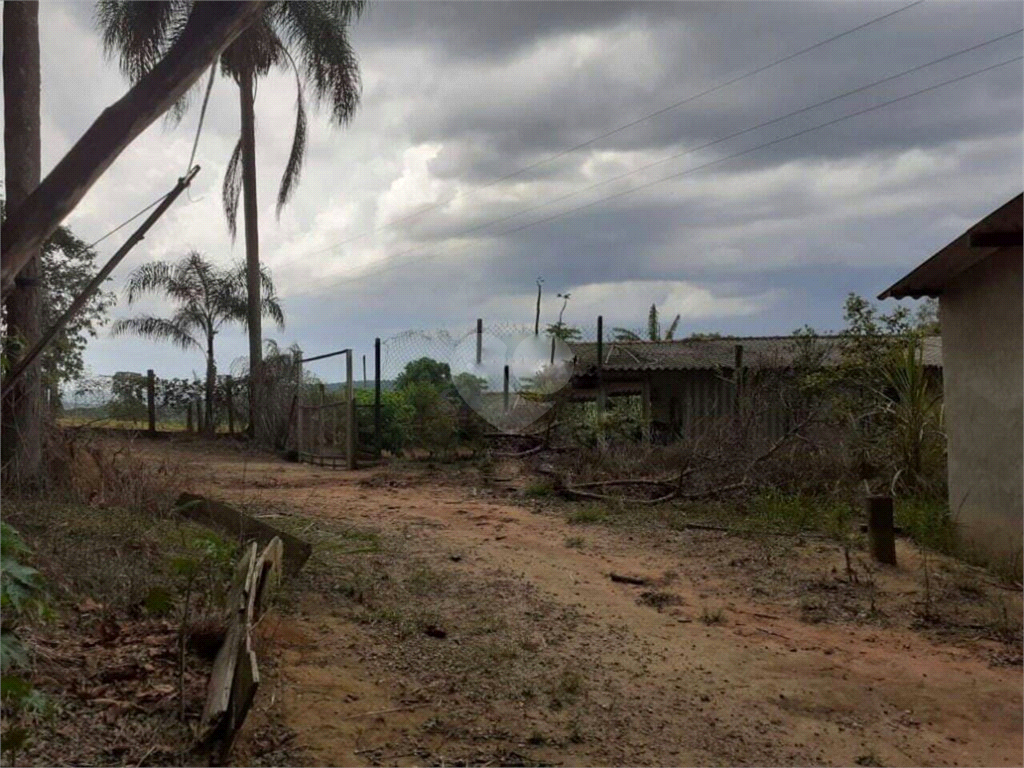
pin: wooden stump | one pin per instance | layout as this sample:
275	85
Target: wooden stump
881	533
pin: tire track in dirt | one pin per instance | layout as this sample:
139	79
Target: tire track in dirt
753	690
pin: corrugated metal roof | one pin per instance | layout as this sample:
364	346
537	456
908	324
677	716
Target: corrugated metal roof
701	354
930	277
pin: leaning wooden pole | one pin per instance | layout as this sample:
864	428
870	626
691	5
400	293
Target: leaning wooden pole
211	27
101	276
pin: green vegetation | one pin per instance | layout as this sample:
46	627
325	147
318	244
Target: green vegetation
206	297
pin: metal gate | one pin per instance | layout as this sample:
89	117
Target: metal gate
325	432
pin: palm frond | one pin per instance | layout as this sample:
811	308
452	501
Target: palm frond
317	32
232	189
148	278
671	332
156	328
293	169
138	34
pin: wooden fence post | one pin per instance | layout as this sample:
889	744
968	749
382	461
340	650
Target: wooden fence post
479	341
506	389
188	417
881	534
200	424
151	400
737	374
230	403
350	410
377	442
299	414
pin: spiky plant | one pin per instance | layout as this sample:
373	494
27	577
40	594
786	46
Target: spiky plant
206	297
653	329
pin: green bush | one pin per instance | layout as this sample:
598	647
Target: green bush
396	417
433	423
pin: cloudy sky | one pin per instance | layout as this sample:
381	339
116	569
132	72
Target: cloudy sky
458	95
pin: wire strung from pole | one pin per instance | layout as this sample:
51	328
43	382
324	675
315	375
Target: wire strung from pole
688	171
733	135
121	226
202	116
719	140
619	129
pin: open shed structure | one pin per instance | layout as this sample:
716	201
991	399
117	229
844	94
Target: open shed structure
978	281
687	384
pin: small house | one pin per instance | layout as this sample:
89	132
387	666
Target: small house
687	384
977	279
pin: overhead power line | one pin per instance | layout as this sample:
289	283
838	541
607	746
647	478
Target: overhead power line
619	129
390	266
719	140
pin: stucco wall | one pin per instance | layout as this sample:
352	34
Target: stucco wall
981	315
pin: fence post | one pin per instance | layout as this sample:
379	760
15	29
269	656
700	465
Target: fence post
229	401
298	406
880	528
479	341
645	405
350	410
737	374
151	400
188	417
377	442
364	371
600	364
506	389
200	424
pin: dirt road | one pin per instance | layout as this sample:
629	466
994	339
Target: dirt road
442	622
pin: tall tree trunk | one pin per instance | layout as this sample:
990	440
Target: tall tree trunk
21	436
252	254
211	381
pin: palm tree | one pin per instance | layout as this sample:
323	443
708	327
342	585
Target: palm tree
653	329
308	38
206	297
22	407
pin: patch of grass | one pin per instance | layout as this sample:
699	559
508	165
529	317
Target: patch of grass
567	688
658	600
928	522
499	653
712	617
488	625
574	542
575	734
539	489
423	581
588	515
778	512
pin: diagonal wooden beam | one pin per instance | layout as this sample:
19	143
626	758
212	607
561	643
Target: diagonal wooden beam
995	239
210	28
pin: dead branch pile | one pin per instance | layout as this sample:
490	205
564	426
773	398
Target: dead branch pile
717	465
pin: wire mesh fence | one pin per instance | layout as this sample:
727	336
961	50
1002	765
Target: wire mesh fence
467	389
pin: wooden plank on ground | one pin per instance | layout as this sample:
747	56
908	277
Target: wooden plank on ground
215	514
222	677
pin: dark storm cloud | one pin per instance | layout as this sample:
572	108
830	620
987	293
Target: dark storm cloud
457	95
